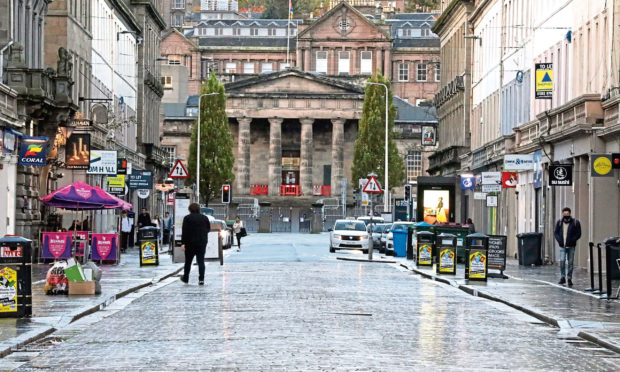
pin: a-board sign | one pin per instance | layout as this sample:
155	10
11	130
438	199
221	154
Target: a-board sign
497	252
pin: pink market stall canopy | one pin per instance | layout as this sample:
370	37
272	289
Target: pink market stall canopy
82	196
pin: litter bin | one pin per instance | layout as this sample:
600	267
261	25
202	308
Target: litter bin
15	277
476	262
461	233
426	242
400	243
446	247
529	248
149	245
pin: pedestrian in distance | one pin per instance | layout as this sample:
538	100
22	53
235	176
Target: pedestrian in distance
195	235
238	229
167	227
144	219
126	225
567	232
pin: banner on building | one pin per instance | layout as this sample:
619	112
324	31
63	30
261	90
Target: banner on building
102	162
491	178
509	180
121	166
141	179
77	151
468	182
544	81
538	179
601	165
9	141
33	151
561	175
519	162
429	135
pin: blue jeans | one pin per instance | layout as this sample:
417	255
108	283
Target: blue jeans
567	253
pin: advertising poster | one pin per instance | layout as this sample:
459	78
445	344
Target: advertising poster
601	165
104	247
538	181
509	180
181	204
425	255
147	252
77	151
33	151
81	235
8	290
436	206
102	162
141	179
561	175
477	265
56	245
446	261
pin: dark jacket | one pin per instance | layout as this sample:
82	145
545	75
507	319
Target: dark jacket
144	220
196	227
572	235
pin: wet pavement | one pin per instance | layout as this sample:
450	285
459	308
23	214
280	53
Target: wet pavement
51	312
285	303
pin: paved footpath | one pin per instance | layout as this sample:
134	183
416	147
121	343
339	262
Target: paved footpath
52	312
285	303
534	290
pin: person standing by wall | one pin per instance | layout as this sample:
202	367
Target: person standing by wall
238	229
567	232
144	219
195	235
167	227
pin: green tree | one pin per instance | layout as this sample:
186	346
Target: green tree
369	150
421	5
278	9
216	157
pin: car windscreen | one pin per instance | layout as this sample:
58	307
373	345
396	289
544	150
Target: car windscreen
379	228
352	226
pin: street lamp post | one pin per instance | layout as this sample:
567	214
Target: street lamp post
198	144
385	185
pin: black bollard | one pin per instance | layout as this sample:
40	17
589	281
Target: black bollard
591	289
410	244
600	272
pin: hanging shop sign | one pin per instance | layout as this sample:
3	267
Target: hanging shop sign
429	135
544	81
9	140
77	151
468	182
102	162
492	178
491	200
601	165
509	180
121	166
116	184
561	175
33	151
144	193
519	162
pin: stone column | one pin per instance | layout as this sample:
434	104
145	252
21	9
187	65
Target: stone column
337	154
243	156
275	155
379	61
388	65
307	60
305	166
299	59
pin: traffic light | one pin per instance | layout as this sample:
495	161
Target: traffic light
615	161
407	192
226	194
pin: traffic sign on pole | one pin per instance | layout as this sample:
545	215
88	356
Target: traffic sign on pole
372	186
178	171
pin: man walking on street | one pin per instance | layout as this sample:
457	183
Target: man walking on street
167	227
126	225
196	227
567	232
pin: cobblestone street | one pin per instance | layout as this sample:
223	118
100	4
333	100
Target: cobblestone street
285	303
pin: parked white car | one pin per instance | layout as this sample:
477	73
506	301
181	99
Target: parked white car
348	234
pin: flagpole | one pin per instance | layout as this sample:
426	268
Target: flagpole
288	39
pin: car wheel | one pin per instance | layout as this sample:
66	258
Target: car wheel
332	249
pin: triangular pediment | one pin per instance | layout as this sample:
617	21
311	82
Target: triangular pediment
293	82
344	21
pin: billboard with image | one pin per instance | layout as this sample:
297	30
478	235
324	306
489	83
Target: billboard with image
436	199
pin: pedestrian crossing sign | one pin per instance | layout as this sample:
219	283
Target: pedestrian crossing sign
372	186
544	81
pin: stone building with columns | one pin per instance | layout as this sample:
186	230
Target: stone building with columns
294	128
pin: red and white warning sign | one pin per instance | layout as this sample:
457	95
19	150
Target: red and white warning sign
372	186
178	171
